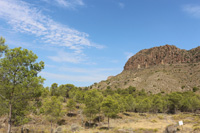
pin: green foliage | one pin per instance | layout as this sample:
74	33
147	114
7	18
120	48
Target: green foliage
71	105
79	96
93	99
110	107
142	93
121	102
131	89
190	102
19	81
52	108
3	47
195	89
174	101
54	90
130	103
144	104
64	90
159	104
20	111
45	92
108	91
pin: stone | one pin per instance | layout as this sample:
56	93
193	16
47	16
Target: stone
125	131
75	127
171	129
58	130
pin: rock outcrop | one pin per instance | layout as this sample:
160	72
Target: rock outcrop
168	54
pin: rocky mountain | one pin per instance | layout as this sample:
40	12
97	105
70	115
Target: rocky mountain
167	54
160	69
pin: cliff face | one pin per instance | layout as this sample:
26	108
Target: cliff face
162	55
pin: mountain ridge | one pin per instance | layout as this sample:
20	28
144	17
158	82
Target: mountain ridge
159	69
167	54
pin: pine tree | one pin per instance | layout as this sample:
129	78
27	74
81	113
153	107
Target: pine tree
19	80
71	105
52	107
110	108
93	99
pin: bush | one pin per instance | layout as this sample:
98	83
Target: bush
195	89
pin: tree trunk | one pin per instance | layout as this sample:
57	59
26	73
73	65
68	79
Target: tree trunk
9	118
51	127
99	116
22	130
108	122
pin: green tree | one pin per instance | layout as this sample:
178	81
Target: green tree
175	100
71	105
130	103
45	92
131	89
190	102
110	108
52	107
3	47
159	103
195	89
121	102
144	104
3	101
54	89
93	99
19	79
79	96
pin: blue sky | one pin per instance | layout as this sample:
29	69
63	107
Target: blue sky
85	41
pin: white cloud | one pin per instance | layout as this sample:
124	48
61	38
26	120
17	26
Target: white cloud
68	57
71	4
193	10
128	54
25	18
121	5
76	74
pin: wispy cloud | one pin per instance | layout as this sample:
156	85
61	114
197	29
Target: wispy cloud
121	5
66	3
128	54
62	56
25	18
193	10
80	74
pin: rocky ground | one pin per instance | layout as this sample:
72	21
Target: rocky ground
162	78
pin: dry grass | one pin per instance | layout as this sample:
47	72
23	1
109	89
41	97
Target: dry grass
135	122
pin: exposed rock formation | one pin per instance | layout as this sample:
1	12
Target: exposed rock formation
167	54
109	77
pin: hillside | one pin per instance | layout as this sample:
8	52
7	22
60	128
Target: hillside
159	69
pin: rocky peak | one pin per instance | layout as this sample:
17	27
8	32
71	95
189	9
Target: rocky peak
167	54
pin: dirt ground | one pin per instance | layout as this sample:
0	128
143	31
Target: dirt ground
129	122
